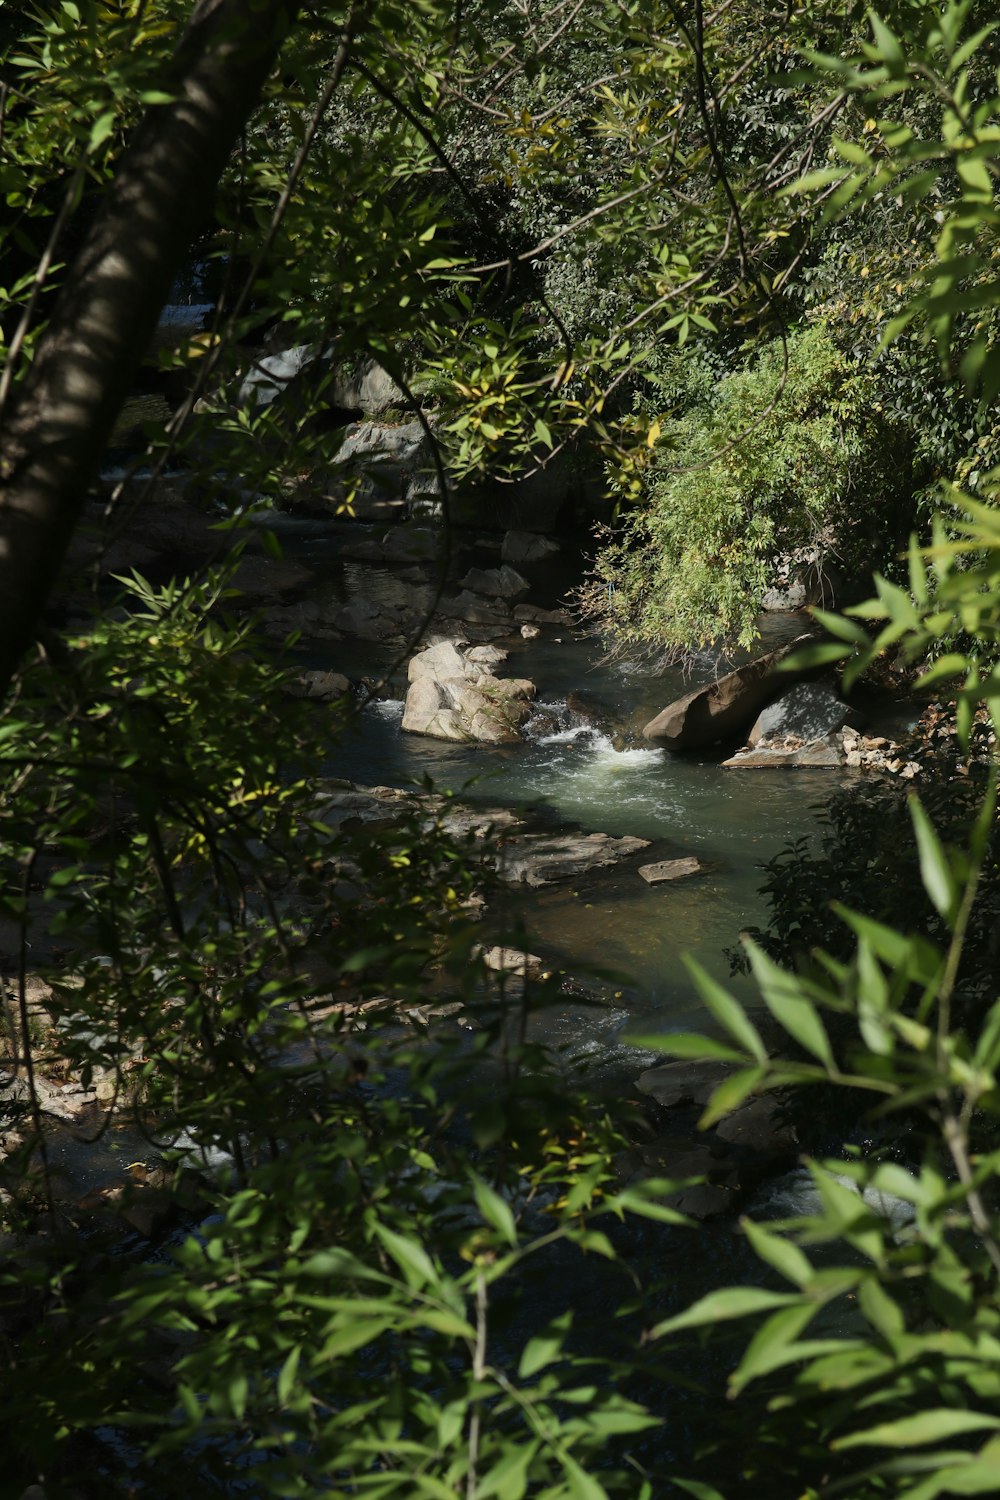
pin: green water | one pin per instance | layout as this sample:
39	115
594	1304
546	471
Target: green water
609	780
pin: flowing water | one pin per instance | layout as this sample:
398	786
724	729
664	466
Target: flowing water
602	776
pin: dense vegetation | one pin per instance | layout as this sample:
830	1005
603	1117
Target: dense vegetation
702	245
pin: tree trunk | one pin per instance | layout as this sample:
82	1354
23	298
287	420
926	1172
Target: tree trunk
105	316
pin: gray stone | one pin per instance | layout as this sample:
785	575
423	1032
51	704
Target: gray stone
540	858
534	615
411	543
440	661
815	755
477	609
487	656
810	710
513	961
454	695
671	869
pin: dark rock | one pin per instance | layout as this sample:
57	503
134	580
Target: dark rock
496	583
721	708
676	1083
319	685
527	547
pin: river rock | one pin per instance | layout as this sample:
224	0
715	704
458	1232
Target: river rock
540	858
263	579
513	961
676	1083
671	869
527	547
475	609
814	755
295	377
721	708
533	614
410	542
320	685
454	695
496	583
810	710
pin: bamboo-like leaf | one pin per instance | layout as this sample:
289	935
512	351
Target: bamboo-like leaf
935	870
729	1302
789	1006
929	1426
727	1011
779	1252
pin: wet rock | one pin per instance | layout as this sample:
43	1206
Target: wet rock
527	547
540	858
721	708
530	632
496	583
265	578
475	609
810	710
758	1125
671	869
412	543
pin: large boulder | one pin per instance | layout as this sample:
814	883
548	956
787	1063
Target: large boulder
453	695
724	708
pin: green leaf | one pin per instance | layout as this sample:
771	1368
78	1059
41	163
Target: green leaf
688	1045
779	1252
544	1347
731	1093
287	1374
582	1486
935	870
101	129
924	1427
727	1011
411	1257
789	1006
495	1210
721	1306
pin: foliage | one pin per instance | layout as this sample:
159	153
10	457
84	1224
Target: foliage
325	1317
789	454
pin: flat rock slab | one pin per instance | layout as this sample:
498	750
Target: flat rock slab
671	869
815	755
541	858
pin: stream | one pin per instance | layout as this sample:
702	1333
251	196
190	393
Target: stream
601	777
